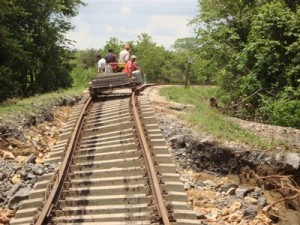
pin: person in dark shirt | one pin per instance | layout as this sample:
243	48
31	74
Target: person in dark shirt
110	57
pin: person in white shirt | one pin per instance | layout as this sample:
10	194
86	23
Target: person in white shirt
124	54
101	64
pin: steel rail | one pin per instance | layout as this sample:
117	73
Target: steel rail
62	173
162	211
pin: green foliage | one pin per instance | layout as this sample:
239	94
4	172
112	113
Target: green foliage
152	59
159	64
284	113
269	56
209	120
38	104
32	44
285	110
84	66
183	44
162	65
114	44
253	46
7	84
81	77
266	54
87	58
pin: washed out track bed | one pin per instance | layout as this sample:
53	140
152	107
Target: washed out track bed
217	176
107	180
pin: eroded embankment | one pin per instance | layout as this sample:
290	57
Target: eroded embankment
25	143
199	156
234	185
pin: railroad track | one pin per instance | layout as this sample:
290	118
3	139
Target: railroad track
114	169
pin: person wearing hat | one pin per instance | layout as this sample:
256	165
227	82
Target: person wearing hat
133	70
124	54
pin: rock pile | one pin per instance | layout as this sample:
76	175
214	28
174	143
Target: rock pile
219	198
17	180
23	151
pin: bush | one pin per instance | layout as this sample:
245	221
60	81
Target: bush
283	113
81	77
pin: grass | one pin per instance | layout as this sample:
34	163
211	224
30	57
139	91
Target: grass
12	109
209	120
203	117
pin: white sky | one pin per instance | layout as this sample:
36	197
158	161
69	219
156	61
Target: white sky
164	20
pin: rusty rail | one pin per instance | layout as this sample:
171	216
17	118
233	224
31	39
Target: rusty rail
62	173
162	211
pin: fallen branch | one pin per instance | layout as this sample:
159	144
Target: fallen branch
267	208
284	183
240	103
276	176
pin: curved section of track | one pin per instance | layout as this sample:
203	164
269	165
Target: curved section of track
117	171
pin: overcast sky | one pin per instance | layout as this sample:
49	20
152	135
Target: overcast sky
164	20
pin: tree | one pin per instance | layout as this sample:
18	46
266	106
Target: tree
271	58
33	37
186	44
152	59
253	46
114	44
222	28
